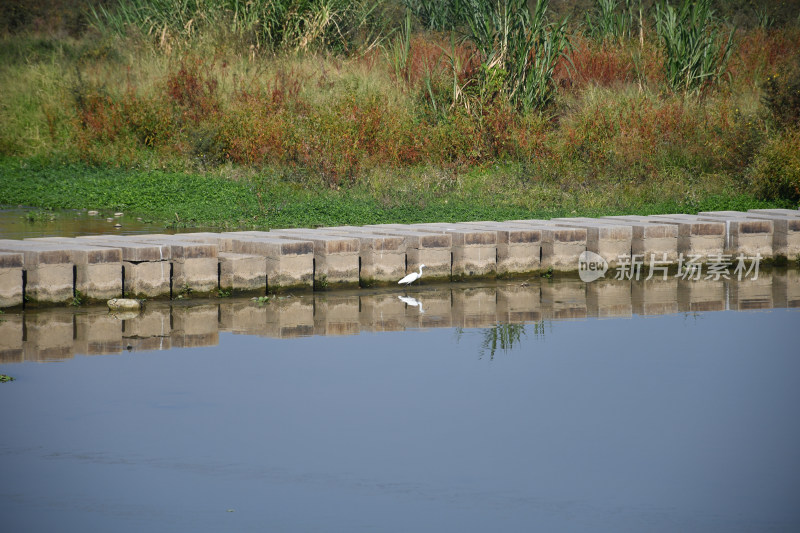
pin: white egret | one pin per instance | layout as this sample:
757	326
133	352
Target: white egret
411	278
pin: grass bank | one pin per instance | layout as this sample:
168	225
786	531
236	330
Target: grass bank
270	200
376	113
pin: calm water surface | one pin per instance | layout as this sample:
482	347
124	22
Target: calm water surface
685	421
24	223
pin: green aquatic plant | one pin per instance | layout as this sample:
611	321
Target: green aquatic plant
5	379
261	300
78	300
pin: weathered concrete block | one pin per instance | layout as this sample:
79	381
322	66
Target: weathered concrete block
335	257
561	246
744	235
195	264
149	279
784	212
383	257
519	249
242	272
786	231
134	251
696	237
48	271
612	241
650	240
434	250
98	269
11	265
474	249
146	266
289	263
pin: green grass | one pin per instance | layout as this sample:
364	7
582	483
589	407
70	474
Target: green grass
270	200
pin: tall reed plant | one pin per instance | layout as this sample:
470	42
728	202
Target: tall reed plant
610	22
519	48
273	24
696	48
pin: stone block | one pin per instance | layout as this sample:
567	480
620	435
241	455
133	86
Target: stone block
48	271
650	240
289	263
612	241
243	273
786	231
519	249
561	246
432	249
696	237
383	257
11	267
747	236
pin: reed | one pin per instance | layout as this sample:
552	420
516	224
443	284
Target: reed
695	46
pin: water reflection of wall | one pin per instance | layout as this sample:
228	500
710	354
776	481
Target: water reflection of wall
55	334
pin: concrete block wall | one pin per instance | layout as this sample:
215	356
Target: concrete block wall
54	270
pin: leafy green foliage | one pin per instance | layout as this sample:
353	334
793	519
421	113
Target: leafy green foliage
609	22
5	378
519	49
697	52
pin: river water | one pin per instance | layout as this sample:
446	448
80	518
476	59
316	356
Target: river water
535	405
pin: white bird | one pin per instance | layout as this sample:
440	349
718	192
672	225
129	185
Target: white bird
411	278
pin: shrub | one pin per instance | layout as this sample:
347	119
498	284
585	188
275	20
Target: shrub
775	174
782	96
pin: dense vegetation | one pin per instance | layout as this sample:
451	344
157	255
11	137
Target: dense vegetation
324	111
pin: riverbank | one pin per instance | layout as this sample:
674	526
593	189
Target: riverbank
405	123
272	200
